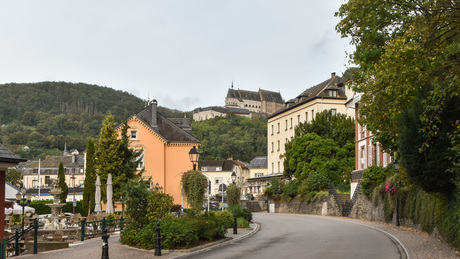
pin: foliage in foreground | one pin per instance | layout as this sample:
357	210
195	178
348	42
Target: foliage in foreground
181	232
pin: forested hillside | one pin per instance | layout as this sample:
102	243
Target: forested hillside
231	136
45	116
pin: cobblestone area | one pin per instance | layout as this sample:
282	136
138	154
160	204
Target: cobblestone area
419	244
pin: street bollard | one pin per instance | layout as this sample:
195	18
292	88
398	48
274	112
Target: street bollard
35	236
158	241
16	243
105	245
235	226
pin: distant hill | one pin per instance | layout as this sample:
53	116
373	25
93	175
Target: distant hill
47	115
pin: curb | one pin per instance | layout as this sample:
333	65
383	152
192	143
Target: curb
207	247
405	254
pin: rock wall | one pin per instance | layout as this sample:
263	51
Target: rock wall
325	206
365	209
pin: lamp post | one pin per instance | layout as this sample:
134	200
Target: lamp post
396	167
23	199
194	156
233	177
74	201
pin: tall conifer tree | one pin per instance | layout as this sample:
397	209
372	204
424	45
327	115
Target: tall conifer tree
62	183
90	178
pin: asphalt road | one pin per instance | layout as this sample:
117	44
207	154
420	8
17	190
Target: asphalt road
305	236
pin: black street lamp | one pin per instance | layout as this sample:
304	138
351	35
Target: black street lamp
396	167
194	156
23	199
234	177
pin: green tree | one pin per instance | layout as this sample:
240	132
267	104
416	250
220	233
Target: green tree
62	183
113	156
89	189
406	52
231	136
312	159
108	158
233	195
135	195
14	177
339	127
159	205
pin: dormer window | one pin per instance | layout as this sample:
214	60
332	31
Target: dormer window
332	93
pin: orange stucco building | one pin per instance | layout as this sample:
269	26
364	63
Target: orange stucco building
165	144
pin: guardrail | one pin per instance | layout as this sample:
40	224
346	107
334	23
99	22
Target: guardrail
94	228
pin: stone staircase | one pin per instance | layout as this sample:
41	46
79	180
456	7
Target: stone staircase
343	201
344	198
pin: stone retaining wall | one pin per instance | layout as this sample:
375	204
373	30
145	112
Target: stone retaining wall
325	206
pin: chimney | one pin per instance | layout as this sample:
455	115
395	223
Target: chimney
74	158
332	74
153	108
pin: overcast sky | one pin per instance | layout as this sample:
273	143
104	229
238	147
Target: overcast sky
184	53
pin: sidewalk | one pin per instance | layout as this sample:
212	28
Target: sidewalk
419	244
92	248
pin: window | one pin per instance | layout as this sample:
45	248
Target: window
273	129
286	125
306	117
334	111
332	93
291	123
204	169
279	127
273	147
298	119
140	165
278	145
312	114
218	180
133	134
279	166
47	181
218	168
273	168
259	174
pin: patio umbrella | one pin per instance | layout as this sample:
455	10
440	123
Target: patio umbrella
109	208
18	210
97	197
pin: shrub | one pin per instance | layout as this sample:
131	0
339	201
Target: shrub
226	217
209	226
291	188
177	232
158	205
233	195
239	211
374	176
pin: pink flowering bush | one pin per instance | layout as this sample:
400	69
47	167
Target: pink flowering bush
390	187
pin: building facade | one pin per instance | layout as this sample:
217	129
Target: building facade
220	172
165	144
262	101
201	114
42	174
332	94
367	152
